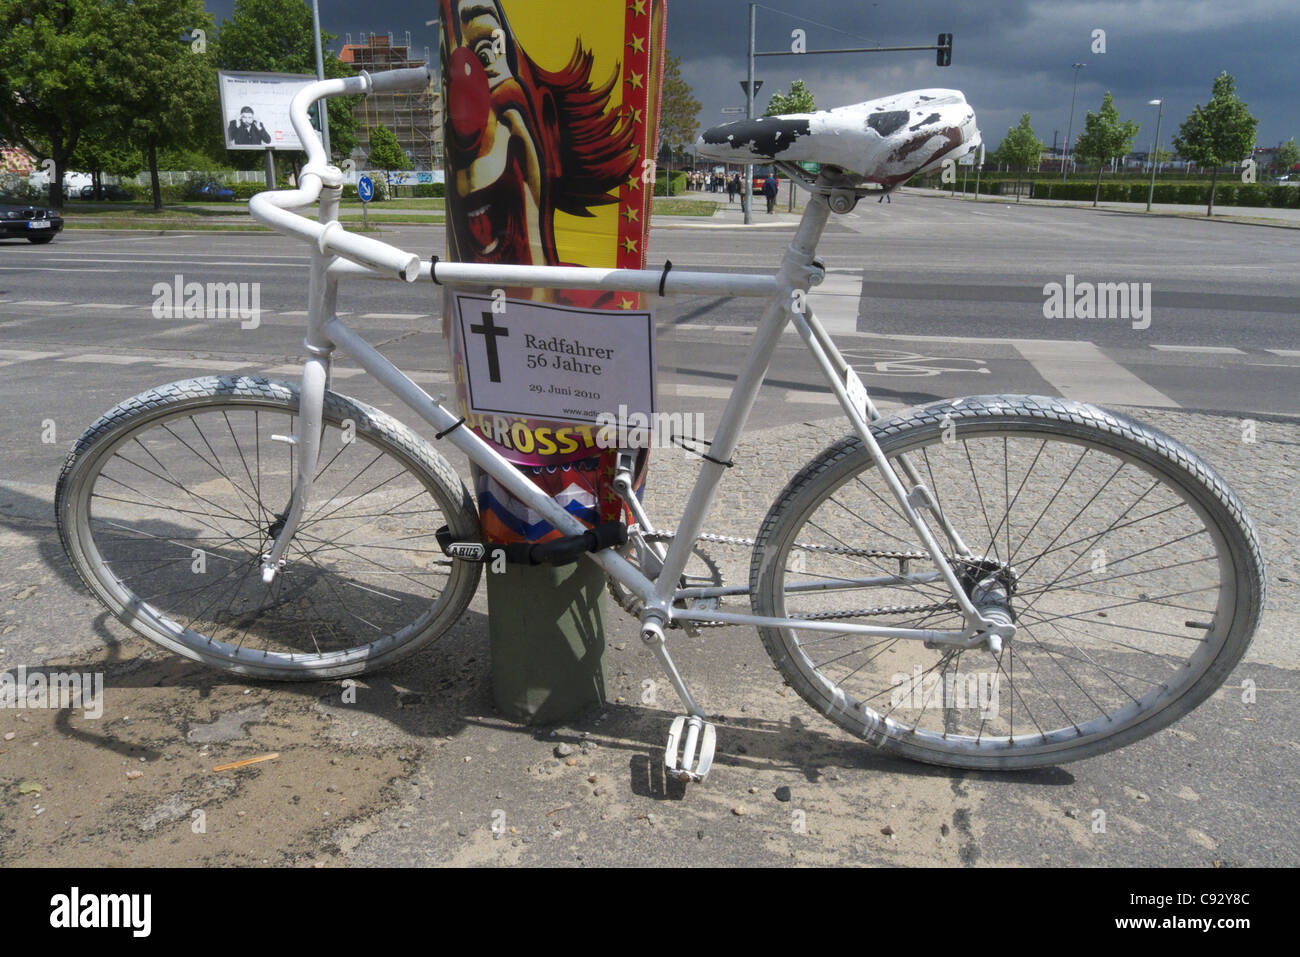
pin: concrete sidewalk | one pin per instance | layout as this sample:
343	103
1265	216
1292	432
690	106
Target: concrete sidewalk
1262	215
732	214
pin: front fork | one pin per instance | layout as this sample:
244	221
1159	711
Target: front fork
322	301
306	444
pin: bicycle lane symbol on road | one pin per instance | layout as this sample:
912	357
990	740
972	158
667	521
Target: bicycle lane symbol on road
889	362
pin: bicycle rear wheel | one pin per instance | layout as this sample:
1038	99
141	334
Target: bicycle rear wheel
1135	578
167	503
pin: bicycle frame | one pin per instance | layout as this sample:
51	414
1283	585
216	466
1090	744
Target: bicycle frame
338	255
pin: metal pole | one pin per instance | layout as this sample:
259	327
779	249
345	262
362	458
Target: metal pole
320	75
749	114
270	168
1155	153
1065	153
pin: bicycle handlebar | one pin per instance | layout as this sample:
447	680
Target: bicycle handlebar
391	80
273	208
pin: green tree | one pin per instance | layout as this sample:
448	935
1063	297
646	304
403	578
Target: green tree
1288	154
275	36
52	76
157	84
679	111
1221	132
1020	148
798	100
103	151
385	151
1104	138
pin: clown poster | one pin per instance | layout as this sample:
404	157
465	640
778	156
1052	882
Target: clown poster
551	133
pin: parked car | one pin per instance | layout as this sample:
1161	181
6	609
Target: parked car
36	224
210	190
107	191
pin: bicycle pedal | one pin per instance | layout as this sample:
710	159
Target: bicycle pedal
689	755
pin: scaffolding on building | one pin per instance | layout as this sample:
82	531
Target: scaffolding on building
414	117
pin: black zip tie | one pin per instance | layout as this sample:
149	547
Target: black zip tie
433	274
446	432
681	442
668	267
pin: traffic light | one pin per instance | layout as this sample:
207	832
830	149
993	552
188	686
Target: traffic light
944	56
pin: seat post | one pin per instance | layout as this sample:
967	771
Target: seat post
795	274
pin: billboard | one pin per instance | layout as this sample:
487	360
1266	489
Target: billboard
255	109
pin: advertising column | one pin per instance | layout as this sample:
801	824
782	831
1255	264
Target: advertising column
551	131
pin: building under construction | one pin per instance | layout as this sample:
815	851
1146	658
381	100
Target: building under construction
415	117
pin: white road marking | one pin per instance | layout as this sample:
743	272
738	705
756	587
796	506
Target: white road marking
104	305
213	365
837	301
169	261
1221	350
70	241
40	302
1080	370
701	391
1286	353
101	359
794	396
397	315
295	369
50	269
12	357
181	331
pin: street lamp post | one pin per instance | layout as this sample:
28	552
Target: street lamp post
748	201
1065	153
1155	150
320	75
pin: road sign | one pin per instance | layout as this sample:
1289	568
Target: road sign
365	189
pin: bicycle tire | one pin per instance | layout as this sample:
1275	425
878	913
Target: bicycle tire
331	589
1177	473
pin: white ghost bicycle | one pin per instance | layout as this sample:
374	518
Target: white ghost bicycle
991	582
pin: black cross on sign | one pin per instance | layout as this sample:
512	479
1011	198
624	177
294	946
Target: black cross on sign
489	330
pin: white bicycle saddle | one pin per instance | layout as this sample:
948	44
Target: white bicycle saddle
885	141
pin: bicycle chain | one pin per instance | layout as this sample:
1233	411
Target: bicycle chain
634	606
667	536
868	612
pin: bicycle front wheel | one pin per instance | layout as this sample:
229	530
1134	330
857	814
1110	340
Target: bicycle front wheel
167	504
1134	577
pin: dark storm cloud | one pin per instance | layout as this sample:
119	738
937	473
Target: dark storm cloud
1010	57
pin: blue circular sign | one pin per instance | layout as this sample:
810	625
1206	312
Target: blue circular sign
365	189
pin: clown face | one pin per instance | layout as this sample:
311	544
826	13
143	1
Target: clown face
496	172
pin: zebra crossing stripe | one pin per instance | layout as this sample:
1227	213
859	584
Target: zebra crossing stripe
1080	370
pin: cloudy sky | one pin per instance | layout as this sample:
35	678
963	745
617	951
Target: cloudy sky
1009	56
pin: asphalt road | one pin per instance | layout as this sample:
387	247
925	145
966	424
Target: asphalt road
928	298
